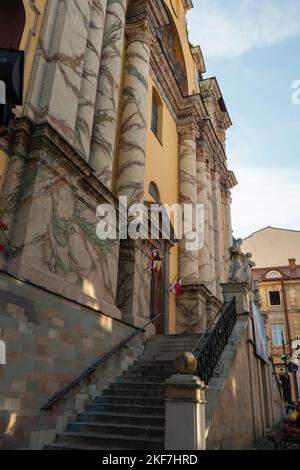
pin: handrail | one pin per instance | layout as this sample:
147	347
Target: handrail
199	341
48	406
208	352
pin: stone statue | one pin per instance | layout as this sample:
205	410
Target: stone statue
237	262
257	294
248	270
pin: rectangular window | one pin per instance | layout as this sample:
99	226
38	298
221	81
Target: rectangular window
277	331
154	120
274	297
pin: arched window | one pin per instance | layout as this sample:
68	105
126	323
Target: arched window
12	23
273	275
154	192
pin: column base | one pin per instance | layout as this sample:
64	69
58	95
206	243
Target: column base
191	314
213	307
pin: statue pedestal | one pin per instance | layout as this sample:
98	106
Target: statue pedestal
243	295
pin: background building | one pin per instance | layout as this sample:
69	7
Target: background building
280	292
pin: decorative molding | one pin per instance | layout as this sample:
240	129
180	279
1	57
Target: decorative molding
188	130
33	30
140	32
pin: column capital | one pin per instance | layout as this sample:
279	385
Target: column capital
188	130
140	32
201	152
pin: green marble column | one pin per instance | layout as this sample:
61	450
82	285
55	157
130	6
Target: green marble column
108	93
188	260
133	132
55	88
204	261
86	107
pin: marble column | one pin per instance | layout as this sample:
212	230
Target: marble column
204	261
133	132
188	260
227	224
108	93
218	232
85	113
211	230
56	79
190	305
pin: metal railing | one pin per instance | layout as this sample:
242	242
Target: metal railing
50	403
210	347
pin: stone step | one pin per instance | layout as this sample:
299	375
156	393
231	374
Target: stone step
158	374
116	428
129	392
70	446
148	363
171	351
137	386
144	371
136	409
165	338
171	346
165	356
111	441
118	418
129	400
135	377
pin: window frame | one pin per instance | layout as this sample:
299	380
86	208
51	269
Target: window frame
269	298
154	114
157	115
278	333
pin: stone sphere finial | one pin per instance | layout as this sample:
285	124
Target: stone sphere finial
186	364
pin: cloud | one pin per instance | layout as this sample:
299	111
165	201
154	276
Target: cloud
228	29
266	197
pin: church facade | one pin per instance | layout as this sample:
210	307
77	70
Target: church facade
115	104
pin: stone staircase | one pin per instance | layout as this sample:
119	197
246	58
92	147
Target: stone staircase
130	414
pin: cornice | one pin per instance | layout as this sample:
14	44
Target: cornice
29	137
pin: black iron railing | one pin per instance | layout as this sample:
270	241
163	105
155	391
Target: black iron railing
50	403
209	349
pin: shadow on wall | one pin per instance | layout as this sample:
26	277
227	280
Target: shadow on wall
50	342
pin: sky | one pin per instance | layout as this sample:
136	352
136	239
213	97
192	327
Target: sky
253	48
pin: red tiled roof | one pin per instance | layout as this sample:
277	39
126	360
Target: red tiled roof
286	271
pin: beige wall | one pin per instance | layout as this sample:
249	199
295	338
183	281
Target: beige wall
273	247
278	315
249	403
